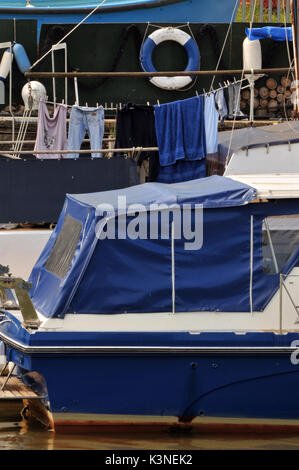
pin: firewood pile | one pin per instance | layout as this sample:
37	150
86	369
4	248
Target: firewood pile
272	100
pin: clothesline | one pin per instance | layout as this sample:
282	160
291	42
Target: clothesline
138	134
119	105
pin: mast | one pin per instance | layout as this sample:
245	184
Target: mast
295	31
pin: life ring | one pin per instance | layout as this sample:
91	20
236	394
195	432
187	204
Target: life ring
169	34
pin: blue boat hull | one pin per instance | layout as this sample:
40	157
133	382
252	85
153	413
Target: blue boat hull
117	11
159	374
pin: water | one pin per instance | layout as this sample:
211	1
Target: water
15	434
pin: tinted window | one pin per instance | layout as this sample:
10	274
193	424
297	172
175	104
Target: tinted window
284	235
61	256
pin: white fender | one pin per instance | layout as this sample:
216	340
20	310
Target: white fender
5	63
252	56
37	92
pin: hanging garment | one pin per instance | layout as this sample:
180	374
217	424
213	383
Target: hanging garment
85	119
180	130
221	104
181	171
51	131
135	127
211	124
234	96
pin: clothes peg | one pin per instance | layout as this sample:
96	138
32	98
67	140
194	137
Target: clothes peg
158	102
204	91
86	104
62	102
97	105
196	93
148	103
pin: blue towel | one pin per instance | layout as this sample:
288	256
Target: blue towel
180	130
182	171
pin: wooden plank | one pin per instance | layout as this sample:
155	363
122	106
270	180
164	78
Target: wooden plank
15	390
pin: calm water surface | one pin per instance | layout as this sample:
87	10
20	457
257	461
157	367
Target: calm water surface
17	435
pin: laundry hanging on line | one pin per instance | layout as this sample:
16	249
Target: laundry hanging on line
85	119
135	127
51	131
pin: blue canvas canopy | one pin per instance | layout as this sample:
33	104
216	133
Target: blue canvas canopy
79	273
273	32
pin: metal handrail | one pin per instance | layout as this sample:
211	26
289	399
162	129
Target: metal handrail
154	74
21	288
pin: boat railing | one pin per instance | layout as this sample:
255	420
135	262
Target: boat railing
21	288
282	288
264	11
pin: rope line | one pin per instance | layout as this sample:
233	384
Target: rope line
70	32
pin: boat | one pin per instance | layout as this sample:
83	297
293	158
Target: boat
118	11
158	319
125	321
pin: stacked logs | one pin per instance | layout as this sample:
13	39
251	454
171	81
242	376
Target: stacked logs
271	100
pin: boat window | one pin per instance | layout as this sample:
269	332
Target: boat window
280	241
61	256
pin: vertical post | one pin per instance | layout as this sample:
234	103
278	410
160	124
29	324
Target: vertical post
57	48
10	98
244	11
251	264
172	268
280	303
287	10
251	10
76	91
261	11
278	10
251	84
269	11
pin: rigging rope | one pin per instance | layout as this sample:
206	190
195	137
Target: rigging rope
70	32
239	91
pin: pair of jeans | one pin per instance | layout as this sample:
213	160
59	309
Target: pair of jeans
82	120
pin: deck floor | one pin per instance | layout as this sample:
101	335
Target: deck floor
15	390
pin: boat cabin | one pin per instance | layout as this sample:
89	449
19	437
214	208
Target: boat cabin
209	245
